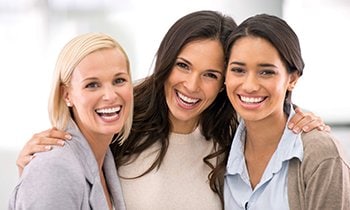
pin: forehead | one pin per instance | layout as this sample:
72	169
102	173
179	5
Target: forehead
254	47
104	60
206	52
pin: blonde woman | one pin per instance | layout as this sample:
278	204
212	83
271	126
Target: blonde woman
92	99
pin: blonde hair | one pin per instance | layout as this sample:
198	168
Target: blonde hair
70	56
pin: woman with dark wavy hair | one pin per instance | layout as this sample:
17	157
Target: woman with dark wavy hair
175	155
183	120
269	166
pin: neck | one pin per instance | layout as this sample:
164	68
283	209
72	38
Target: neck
262	138
99	145
183	127
99	149
264	134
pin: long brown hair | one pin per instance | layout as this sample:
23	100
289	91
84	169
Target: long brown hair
151	123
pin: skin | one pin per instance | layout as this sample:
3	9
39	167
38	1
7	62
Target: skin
200	84
100	84
256	82
194	83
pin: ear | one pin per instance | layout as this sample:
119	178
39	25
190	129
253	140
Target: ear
223	87
293	80
65	95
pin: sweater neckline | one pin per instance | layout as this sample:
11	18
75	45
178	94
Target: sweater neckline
180	138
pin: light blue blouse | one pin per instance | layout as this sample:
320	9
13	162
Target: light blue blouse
271	192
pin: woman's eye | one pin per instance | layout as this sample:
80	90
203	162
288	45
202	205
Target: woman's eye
237	70
182	65
119	80
267	72
211	75
92	85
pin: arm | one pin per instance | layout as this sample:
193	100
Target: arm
51	181
40	142
306	122
326	173
329	186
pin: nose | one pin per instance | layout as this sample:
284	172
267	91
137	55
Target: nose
250	83
109	93
192	82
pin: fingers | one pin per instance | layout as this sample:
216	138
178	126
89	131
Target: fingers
22	162
327	128
28	153
294	123
40	142
306	122
50	137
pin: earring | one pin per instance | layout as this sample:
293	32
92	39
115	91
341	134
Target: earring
69	104
291	88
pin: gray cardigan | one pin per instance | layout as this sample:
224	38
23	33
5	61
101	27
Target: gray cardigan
322	180
67	178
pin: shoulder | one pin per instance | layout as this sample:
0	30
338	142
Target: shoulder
51	179
60	165
322	143
59	156
322	147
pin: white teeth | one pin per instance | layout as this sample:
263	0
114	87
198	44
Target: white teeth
187	99
109	110
252	100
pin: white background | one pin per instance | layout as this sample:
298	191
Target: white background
33	32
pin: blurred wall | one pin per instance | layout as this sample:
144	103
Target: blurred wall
32	32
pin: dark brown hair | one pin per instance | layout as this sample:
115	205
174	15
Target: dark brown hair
151	123
276	31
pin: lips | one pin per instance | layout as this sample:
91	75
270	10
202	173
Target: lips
186	101
251	100
109	113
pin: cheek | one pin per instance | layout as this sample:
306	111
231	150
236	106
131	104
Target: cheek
168	85
212	90
167	90
173	79
128	95
125	95
230	87
279	88
81	99
230	83
83	106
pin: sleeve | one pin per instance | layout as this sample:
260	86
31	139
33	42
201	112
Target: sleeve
49	182
329	187
328	183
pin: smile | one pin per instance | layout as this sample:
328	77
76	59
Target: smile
251	100
109	113
187	101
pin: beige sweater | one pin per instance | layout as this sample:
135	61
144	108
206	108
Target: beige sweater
322	180
181	182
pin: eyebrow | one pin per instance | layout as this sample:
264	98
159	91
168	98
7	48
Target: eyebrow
185	60
237	63
115	75
261	64
121	73
210	70
267	65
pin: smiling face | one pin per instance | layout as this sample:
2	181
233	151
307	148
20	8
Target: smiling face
100	93
194	82
257	79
